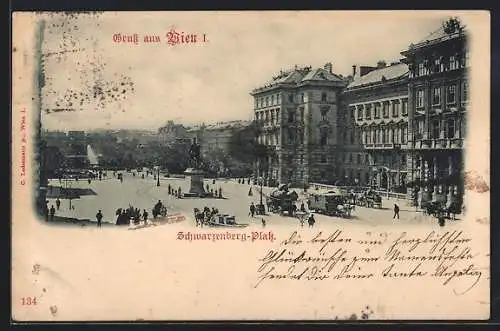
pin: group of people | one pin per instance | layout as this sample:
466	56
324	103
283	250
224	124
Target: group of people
242	181
176	193
215	193
125	215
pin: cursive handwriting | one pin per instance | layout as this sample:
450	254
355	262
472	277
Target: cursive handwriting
448	257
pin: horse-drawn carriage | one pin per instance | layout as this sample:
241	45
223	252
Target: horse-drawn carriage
212	217
331	203
438	207
159	210
282	201
369	199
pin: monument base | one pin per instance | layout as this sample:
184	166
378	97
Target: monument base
196	180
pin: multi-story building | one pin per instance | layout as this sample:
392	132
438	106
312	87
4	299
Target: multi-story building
171	132
298	112
375	146
218	136
438	102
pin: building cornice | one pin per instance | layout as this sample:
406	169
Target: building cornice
381	84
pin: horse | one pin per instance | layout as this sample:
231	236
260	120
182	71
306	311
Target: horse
198	216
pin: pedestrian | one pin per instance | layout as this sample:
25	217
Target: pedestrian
396	211
98	216
58	203
220	192
263	221
250	193
311	220
252	209
208	188
441	219
145	216
46	211
52	213
89	180
302	207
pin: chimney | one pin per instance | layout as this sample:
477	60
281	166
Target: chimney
328	67
354	71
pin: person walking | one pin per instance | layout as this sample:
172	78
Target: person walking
302	207
46	211
145	216
98	216
311	220
58	203
396	211
52	213
252	209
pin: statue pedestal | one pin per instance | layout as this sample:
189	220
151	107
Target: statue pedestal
196	179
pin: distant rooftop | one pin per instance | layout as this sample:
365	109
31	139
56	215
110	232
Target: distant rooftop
302	74
393	71
227	125
450	29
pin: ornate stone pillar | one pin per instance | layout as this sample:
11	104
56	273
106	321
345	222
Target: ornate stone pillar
435	167
427	102
422	168
434	193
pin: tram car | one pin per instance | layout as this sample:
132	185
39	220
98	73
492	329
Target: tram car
331	203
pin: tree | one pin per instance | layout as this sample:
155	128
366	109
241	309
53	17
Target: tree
244	147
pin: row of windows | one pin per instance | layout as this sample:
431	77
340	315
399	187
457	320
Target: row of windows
394	135
275	99
440	129
437	98
270	116
357	158
384	109
442	64
270	100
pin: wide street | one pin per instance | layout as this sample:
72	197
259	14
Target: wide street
144	193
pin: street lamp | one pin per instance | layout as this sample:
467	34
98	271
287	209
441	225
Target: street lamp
158	176
260	207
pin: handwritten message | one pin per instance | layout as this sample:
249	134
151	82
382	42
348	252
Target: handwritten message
447	257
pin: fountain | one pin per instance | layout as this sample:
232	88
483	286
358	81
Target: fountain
92	156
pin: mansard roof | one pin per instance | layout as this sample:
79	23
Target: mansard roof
391	72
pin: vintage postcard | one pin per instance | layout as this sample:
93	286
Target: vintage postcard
274	165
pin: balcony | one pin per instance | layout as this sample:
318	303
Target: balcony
383	146
456	143
441	143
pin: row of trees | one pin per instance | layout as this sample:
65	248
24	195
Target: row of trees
243	151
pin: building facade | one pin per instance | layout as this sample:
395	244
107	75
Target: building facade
218	136
298	112
171	132
438	104
376	145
